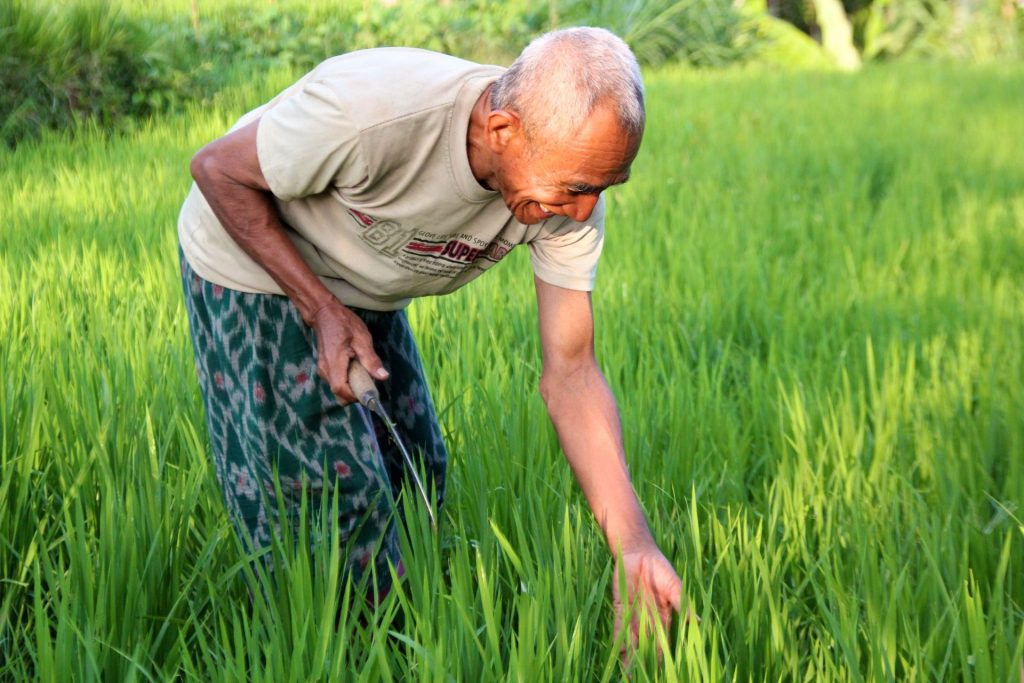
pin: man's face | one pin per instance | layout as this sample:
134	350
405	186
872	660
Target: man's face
565	178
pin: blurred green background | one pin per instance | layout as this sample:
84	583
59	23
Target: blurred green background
810	305
114	61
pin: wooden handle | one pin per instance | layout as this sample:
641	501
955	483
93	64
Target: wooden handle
362	384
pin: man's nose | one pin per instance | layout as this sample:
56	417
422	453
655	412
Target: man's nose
583	207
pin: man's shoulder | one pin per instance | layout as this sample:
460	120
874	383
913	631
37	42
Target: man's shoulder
395	81
399	60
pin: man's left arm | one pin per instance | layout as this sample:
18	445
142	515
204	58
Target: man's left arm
586	418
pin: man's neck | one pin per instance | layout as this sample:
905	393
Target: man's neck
477	149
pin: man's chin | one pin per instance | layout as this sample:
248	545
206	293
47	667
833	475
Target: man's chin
526	217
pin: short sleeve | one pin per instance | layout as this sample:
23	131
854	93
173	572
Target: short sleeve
306	142
567	256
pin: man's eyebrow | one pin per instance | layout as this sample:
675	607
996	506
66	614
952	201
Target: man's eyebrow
587	188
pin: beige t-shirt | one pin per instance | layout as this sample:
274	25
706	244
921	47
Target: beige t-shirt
366	158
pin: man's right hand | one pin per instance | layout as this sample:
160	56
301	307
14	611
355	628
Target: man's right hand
341	337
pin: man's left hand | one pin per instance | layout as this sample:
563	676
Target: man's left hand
651	582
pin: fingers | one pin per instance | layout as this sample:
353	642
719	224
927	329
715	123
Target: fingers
618	625
337	372
631	642
368	358
333	369
342	338
675	598
665	613
642	625
651	592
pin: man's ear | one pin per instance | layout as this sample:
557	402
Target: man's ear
503	127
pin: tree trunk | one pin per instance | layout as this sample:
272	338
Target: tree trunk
195	18
836	33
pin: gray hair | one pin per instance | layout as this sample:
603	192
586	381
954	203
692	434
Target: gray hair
562	76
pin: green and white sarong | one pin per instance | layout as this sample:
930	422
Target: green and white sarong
268	412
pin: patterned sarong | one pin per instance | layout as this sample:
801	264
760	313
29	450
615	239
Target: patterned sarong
269	414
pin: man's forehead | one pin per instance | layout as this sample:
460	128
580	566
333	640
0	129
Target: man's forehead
598	169
585	165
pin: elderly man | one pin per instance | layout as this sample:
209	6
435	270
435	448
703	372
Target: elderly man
381	176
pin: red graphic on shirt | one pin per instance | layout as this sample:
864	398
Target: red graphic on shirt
424	247
459	251
455	251
363	219
427	253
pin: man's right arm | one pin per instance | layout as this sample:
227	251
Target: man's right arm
228	173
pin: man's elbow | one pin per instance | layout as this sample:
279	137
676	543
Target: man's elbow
565	380
202	165
547	389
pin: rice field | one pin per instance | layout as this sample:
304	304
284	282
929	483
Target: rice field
810	307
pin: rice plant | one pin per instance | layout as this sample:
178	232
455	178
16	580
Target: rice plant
810	306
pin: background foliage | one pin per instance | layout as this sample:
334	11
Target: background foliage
113	61
811	308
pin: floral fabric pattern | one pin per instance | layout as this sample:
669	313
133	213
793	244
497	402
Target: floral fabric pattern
268	412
